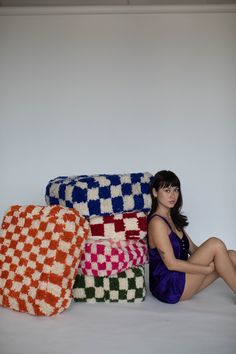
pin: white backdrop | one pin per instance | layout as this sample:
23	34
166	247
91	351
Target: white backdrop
114	93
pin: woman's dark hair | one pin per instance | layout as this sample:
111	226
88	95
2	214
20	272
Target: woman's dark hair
163	179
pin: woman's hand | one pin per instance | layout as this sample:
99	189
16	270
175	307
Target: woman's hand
212	267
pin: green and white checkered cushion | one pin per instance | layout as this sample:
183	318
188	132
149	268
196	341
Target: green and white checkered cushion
127	286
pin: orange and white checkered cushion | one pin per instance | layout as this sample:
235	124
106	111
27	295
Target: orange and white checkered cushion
40	249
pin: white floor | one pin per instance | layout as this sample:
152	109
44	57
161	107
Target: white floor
205	324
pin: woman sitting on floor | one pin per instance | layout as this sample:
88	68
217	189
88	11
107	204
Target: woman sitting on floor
178	269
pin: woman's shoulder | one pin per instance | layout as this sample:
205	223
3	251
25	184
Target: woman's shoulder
156	220
157	230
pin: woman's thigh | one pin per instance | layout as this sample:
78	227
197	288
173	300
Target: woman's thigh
206	252
204	256
214	275
194	283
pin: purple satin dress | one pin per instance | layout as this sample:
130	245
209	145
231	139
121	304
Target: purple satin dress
167	285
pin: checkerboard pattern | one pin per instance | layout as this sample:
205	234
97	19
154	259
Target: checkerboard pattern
127	286
121	226
108	257
101	194
40	248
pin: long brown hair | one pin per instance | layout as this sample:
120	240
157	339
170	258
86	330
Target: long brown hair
164	179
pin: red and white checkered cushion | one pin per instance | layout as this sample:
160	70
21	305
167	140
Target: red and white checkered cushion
40	249
119	226
108	257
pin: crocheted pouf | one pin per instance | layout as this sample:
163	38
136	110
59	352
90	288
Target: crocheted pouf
101	194
40	248
127	286
119	226
108	257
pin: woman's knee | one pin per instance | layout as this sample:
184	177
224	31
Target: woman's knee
232	255
216	242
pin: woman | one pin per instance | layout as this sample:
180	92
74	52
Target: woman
178	269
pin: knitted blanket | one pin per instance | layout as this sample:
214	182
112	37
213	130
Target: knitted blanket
101	194
119	226
127	286
108	257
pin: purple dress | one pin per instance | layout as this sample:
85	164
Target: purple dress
167	285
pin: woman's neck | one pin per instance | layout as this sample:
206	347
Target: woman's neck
165	212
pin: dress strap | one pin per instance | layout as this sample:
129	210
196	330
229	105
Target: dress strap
162	217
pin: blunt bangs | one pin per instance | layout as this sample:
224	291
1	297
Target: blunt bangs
167	184
166	179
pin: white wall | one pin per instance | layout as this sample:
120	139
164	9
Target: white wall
113	93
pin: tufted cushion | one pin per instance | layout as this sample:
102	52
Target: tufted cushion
119	226
101	194
40	248
108	257
127	286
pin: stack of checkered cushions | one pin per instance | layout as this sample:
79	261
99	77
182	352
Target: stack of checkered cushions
111	267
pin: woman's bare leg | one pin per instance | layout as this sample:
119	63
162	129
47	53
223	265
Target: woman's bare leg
214	275
213	250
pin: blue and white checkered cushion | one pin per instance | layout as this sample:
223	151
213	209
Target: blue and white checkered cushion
101	194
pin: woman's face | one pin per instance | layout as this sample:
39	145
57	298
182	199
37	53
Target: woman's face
167	196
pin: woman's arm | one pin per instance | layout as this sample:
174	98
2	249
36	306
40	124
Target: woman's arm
158	233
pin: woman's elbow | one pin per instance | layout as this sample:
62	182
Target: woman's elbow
170	265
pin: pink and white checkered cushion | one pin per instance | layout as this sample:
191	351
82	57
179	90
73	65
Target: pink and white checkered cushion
109	257
120	226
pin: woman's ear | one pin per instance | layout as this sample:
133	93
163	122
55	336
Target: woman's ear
154	192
